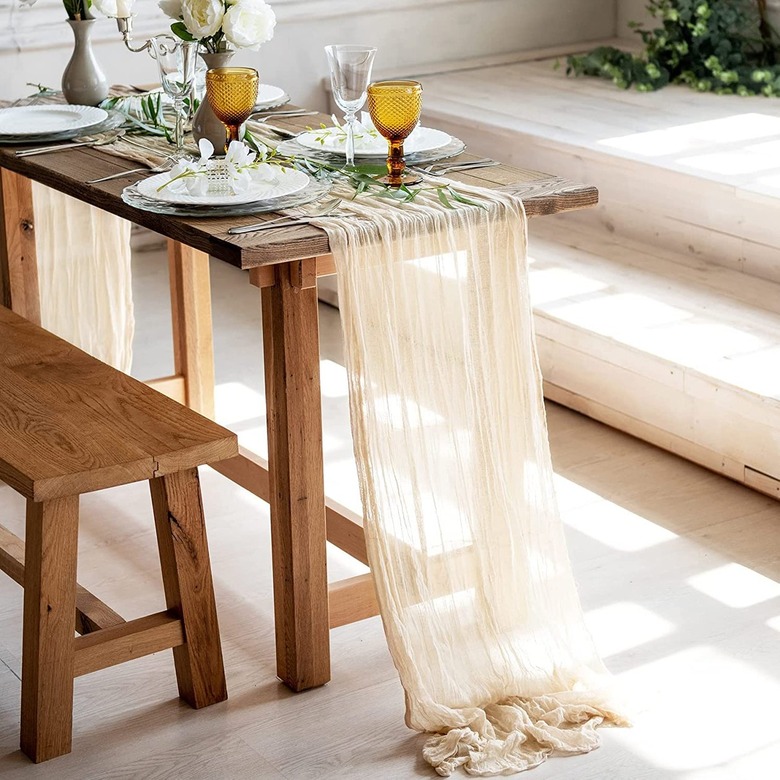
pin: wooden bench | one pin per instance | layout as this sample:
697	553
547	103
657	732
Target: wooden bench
70	424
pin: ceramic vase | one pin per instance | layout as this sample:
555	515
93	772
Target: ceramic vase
205	123
83	82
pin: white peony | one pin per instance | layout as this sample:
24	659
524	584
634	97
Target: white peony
202	18
106	7
171	8
249	23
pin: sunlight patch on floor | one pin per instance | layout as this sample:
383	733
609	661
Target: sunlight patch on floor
236	402
624	625
735	586
700	708
615	526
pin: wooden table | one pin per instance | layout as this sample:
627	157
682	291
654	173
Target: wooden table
285	265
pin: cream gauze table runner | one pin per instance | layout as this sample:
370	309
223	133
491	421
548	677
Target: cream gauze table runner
84	273
84	276
465	542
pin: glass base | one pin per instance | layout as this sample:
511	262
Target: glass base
406	180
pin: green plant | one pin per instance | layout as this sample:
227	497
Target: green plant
722	46
78	9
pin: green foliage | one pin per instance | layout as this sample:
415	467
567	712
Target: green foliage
78	9
364	178
180	30
722	46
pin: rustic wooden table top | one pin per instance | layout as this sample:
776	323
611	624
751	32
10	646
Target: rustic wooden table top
69	170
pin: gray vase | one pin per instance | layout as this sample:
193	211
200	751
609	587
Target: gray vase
83	82
205	123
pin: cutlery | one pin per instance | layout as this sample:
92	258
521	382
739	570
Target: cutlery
462	167
266	115
281	131
86	140
454	164
236	231
161	168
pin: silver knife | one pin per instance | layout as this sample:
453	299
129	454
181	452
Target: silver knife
270	225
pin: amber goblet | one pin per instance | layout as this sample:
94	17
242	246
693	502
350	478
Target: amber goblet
395	110
232	94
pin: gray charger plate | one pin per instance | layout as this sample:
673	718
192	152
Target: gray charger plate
314	190
111	122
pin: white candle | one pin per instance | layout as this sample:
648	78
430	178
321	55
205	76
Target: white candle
124	8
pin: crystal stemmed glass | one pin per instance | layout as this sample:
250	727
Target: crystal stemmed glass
395	110
232	94
176	63
350	72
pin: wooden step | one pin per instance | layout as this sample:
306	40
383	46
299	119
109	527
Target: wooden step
696	173
673	350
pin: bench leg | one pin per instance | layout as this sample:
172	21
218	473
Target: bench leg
51	550
189	590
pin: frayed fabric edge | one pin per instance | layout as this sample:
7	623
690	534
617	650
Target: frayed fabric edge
520	733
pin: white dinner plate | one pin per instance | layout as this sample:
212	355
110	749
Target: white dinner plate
37	120
269	95
288	182
422	139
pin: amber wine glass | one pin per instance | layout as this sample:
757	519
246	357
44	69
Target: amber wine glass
232	94
395	111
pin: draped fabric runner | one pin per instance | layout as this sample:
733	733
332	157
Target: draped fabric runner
465	543
85	276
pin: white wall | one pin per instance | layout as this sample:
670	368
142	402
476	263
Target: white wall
631	11
35	45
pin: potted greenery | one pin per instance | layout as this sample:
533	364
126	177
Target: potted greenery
710	45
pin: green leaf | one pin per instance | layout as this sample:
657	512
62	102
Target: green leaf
443	198
455	195
180	29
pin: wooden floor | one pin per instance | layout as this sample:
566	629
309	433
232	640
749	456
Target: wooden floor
679	572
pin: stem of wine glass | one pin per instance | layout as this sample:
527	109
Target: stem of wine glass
350	147
232	134
396	163
178	128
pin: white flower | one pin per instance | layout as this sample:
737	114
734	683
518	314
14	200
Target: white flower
249	23
202	18
239	154
106	7
264	173
171	8
206	149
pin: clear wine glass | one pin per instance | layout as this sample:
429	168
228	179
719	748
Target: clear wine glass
350	73
176	62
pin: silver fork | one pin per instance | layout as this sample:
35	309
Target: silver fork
161	168
325	208
261	117
463	168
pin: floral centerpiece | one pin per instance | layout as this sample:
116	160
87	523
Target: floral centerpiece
220	24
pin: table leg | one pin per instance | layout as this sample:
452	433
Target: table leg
294	412
18	262
193	344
